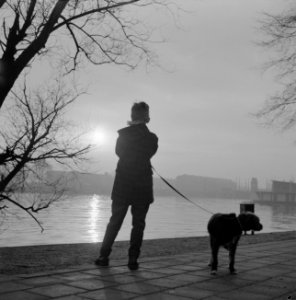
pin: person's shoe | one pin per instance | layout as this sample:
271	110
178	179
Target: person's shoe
102	261
133	264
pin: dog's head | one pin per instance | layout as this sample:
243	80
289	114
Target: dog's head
249	221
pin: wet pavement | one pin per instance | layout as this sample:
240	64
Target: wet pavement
265	271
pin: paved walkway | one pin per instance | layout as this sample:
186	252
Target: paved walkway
265	271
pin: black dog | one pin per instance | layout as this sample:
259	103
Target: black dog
226	230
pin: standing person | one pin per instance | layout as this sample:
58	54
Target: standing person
133	184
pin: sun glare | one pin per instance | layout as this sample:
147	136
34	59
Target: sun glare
99	137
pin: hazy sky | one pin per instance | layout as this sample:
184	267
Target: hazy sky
202	111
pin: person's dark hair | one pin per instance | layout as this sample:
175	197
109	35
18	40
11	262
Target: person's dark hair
140	112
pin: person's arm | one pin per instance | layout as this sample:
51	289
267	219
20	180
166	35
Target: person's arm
153	145
120	146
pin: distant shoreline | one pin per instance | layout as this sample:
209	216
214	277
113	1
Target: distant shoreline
29	259
240	195
101	184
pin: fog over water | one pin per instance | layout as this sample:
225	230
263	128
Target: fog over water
202	101
83	219
202	98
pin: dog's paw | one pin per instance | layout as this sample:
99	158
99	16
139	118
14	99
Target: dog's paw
214	272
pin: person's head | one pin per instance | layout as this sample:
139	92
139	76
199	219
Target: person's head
140	113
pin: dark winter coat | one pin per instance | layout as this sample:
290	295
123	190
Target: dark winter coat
133	181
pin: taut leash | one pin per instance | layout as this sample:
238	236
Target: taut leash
178	192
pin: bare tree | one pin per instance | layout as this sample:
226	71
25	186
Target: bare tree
34	134
98	31
68	32
280	33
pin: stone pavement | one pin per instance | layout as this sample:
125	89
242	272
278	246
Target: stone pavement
265	271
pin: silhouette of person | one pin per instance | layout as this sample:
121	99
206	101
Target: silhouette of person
133	184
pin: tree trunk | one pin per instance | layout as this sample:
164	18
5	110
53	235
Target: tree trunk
2	2
11	71
7	79
4	92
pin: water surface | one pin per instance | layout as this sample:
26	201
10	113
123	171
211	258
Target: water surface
83	219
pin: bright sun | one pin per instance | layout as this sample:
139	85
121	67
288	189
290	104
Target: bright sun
99	136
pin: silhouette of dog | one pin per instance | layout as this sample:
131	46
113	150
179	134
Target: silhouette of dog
225	230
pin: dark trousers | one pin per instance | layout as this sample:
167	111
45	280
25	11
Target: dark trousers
119	210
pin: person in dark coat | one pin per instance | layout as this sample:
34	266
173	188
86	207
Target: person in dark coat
133	184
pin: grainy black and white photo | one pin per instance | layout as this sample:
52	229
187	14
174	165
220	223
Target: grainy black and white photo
147	149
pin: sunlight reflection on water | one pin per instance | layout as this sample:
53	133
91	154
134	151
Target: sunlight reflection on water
83	219
93	218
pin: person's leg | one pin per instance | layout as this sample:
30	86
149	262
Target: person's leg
118	211
139	213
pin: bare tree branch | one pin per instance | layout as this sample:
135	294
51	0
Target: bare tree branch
36	135
42	38
96	10
102	32
280	38
26	209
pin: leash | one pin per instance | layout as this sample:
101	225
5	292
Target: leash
178	192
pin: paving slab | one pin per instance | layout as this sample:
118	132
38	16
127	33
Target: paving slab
265	271
192	292
161	296
56	290
22	295
108	294
9	286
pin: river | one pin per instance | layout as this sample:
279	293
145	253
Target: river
83	219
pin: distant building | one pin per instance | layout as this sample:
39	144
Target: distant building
254	184
283	187
208	187
281	191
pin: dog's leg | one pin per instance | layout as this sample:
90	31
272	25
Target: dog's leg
232	251
214	252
